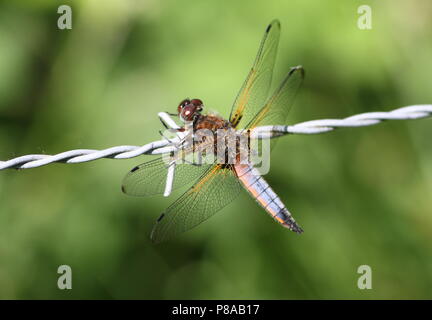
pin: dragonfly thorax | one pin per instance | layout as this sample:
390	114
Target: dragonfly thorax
211	122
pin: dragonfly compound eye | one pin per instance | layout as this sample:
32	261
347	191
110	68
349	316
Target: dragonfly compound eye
188	112
198	103
182	104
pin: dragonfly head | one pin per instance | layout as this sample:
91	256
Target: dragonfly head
188	110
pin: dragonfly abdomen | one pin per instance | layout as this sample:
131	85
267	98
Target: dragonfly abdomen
261	191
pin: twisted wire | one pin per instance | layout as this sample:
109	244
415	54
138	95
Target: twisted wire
165	146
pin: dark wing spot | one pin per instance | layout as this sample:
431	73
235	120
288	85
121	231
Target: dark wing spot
268	28
161	217
297	68
123	189
134	169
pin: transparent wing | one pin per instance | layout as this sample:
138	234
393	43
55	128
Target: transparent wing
217	187
149	178
255	89
276	109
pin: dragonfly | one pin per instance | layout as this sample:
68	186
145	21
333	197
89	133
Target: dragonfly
215	185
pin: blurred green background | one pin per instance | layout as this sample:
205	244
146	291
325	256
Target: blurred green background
363	196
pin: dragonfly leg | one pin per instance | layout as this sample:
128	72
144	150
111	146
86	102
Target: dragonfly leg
166	138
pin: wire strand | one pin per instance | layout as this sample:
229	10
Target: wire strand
164	146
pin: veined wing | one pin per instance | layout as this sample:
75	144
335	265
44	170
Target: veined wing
217	187
276	109
255	89
149	178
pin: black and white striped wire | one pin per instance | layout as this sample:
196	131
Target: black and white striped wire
165	146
